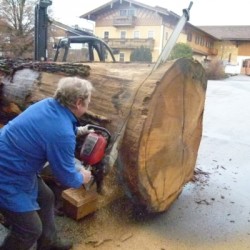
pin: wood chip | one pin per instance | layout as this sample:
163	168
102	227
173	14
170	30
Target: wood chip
203	202
126	237
100	242
91	241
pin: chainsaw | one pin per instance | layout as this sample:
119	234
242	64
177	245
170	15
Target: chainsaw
92	154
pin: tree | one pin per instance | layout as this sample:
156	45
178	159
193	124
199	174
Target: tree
181	50
141	54
19	15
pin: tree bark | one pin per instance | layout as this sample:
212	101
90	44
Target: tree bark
155	119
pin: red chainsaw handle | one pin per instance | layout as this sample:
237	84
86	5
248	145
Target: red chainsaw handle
101	129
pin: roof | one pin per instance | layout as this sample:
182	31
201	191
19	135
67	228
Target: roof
239	33
94	12
83	38
163	11
74	31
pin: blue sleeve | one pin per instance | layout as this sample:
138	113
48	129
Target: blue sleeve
60	155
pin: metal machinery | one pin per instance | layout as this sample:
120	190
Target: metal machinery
41	30
93	44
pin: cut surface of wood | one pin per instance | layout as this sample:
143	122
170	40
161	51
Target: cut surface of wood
157	163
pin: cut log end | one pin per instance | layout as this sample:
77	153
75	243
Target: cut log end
158	162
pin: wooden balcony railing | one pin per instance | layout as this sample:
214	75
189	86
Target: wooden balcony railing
213	51
131	43
124	21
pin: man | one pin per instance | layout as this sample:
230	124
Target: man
46	131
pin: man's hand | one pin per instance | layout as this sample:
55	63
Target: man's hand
86	175
83	130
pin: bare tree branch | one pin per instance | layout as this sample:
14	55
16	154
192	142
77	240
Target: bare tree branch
19	16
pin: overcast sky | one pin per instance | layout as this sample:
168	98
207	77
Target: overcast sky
203	12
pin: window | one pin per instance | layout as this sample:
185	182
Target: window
151	34
136	34
128	12
202	41
123	12
106	35
122	57
123	34
189	37
208	44
197	39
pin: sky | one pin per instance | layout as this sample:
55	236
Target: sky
203	12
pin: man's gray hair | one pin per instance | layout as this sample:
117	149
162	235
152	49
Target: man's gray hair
70	89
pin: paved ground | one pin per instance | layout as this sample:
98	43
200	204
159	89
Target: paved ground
211	213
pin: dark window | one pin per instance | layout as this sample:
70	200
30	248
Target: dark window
197	39
123	34
201	41
189	37
122	57
209	44
106	35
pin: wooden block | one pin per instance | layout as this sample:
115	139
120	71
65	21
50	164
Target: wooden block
78	203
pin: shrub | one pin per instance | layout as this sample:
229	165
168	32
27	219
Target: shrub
141	54
215	70
181	50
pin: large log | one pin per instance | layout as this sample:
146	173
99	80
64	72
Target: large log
155	119
163	134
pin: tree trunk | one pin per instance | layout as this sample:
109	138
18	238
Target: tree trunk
155	119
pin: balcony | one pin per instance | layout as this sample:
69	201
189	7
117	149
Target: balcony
213	51
131	43
124	21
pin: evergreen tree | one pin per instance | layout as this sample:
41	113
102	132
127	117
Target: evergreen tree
141	54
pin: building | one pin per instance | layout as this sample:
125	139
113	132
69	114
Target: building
126	25
232	44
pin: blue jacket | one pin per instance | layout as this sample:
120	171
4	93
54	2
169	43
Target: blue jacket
43	132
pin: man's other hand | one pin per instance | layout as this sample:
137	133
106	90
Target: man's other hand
87	176
83	130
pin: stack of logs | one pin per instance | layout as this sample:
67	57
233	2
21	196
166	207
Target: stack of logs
155	118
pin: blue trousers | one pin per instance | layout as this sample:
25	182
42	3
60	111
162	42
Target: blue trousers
29	228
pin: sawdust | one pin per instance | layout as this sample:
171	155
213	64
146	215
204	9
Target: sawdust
200	176
115	225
